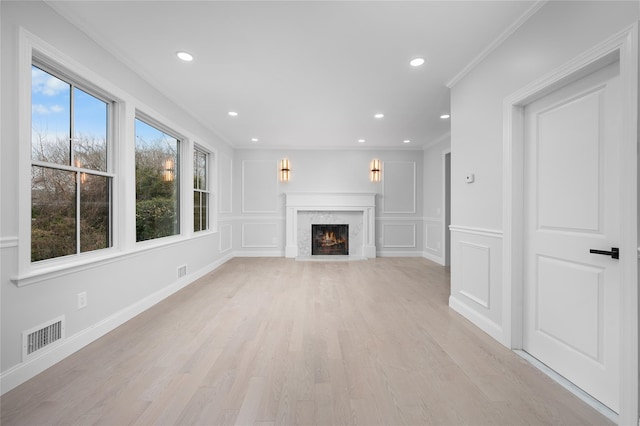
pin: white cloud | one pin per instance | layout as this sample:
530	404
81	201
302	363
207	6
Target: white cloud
46	109
42	82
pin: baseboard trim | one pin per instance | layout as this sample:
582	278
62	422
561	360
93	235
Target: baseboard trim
480	321
389	253
432	257
22	372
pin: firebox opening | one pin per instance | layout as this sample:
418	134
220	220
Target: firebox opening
330	239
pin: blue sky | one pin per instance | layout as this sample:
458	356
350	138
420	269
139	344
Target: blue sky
50	111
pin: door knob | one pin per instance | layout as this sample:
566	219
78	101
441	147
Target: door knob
614	253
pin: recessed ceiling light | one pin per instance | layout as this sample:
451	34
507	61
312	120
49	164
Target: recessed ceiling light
378	115
254	139
361	140
233	113
187	57
416	62
445	116
406	141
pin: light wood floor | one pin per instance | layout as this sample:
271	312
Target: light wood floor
275	341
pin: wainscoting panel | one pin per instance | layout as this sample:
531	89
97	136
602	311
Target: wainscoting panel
225	199
259	186
259	235
398	235
226	237
476	277
399	187
433	235
474	267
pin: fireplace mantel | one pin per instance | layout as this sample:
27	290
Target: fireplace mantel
322	201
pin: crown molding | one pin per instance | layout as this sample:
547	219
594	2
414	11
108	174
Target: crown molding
497	42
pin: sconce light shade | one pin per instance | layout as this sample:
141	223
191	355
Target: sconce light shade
285	170
168	172
376	173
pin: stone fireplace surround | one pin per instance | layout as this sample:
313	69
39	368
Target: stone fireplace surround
320	206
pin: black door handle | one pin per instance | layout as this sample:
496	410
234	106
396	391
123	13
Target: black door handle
614	253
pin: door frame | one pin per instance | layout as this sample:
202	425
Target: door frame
623	47
446	208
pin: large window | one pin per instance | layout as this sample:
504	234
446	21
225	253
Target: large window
200	190
157	183
70	180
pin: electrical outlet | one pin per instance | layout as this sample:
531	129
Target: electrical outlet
82	300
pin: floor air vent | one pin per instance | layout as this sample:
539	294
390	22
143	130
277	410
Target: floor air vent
41	337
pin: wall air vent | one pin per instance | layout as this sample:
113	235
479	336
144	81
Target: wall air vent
182	271
40	337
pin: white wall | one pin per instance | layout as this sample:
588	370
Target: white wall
258	228
557	33
136	276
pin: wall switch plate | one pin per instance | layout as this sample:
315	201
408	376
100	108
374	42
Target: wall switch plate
82	300
469	177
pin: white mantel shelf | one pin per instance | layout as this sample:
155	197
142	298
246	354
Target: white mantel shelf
337	201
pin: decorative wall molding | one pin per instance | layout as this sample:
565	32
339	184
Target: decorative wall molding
225	166
477	231
8	242
225	242
264	234
386	236
259	186
395	185
497	42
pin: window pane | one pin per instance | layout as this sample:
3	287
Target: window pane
199	170
197	211
53	213
50	118
95	214
89	131
205	210
157	196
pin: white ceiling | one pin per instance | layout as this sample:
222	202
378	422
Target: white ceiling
307	74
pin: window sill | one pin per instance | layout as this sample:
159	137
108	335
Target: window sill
55	269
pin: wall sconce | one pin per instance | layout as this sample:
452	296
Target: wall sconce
168	172
376	173
285	169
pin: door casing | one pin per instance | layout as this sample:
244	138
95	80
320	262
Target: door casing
623	47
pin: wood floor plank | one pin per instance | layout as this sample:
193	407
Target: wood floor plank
272	341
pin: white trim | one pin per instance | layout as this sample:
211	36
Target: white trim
259	253
446	248
491	328
274	165
413	192
624	44
411	245
26	370
8	242
496	43
243	232
437	140
383	253
430	256
494	233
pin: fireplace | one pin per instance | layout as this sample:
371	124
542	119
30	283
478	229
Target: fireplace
329	240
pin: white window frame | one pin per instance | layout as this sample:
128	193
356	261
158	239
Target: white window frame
76	83
33	50
208	155
179	175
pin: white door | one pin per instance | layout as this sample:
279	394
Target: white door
572	305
